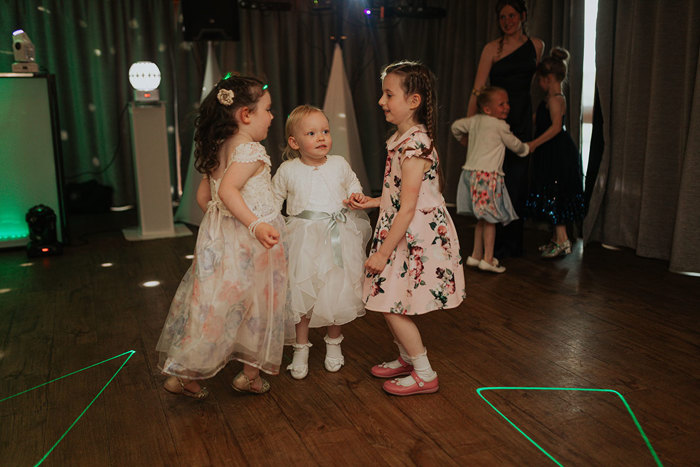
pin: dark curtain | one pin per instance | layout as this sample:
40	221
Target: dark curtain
89	45
294	49
646	194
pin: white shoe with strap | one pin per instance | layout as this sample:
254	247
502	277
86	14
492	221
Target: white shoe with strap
334	355
299	367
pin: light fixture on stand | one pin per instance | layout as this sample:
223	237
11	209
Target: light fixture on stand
42	232
145	79
149	143
23	49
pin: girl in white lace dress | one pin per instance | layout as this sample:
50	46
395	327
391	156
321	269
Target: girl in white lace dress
230	304
326	240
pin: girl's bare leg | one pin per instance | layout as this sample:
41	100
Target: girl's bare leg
560	232
489	241
406	333
478	250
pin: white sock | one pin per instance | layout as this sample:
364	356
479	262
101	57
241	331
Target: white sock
333	349
421	365
404	355
394	364
300	359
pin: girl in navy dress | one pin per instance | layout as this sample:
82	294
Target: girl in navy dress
556	193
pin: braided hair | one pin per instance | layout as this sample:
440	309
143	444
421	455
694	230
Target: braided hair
417	78
215	121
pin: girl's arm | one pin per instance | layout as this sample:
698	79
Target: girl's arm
232	182
352	187
460	130
557	107
412	171
512	142
539	47
482	74
279	189
351	181
203	193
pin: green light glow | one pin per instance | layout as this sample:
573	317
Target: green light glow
639	427
130	353
265	87
5	235
228	75
27	155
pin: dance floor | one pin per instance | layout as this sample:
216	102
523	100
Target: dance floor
512	361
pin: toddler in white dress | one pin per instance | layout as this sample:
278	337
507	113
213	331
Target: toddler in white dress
326	241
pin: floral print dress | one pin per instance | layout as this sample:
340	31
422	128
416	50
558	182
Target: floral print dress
231	303
424	272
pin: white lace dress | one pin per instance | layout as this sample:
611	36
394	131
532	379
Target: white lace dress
327	243
231	302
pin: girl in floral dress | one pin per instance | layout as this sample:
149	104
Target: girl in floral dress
414	265
481	191
230	304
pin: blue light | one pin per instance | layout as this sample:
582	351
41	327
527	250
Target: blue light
18	32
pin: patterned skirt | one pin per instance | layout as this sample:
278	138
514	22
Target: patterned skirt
424	272
230	305
484	196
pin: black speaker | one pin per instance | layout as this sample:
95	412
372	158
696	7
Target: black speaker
210	20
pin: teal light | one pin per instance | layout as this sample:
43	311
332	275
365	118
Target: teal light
130	353
9	235
265	87
612	391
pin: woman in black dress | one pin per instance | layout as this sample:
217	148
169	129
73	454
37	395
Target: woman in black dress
509	63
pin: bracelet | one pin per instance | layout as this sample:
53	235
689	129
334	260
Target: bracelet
476	92
254	225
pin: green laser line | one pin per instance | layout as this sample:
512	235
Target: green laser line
525	388
131	354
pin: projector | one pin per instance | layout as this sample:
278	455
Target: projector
24	53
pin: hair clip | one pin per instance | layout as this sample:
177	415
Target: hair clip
225	97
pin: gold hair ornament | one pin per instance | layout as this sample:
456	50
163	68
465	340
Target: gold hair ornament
225	97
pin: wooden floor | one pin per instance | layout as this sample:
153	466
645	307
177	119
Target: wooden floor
597	319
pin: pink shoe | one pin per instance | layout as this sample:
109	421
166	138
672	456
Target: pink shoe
383	371
419	387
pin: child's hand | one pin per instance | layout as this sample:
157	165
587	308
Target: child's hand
355	200
376	263
362	201
267	235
